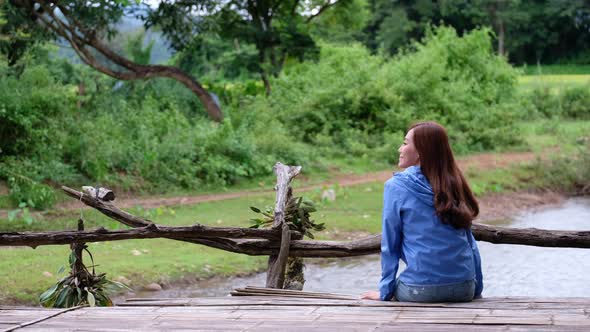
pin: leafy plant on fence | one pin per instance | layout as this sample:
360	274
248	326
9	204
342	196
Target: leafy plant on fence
297	216
80	286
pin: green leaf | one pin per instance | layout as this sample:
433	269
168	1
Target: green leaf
48	293
60	302
61	269
72	258
319	227
28	218
12	215
91	299
255	209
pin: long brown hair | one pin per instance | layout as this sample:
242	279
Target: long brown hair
453	200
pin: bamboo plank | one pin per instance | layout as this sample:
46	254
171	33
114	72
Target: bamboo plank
270	313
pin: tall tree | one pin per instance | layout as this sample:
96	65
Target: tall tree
86	25
278	28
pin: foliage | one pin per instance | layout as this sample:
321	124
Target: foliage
569	103
454	80
18	34
297	216
24	212
80	286
567	172
24	190
278	29
576	103
530	31
343	23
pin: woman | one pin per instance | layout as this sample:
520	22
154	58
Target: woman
427	214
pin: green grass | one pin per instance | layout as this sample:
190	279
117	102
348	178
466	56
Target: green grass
554	77
556	70
540	135
555	83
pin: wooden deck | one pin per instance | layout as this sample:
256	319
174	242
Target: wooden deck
272	313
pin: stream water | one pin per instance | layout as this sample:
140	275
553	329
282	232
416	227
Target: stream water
509	270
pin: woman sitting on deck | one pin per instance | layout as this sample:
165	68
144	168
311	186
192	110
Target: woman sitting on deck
427	214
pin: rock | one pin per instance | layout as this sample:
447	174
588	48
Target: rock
329	195
145	251
123	280
47	274
135	252
153	287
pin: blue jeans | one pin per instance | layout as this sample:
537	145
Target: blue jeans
460	292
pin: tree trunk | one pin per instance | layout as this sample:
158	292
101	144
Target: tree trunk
501	37
277	263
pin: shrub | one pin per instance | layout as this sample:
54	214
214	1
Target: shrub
351	99
576	102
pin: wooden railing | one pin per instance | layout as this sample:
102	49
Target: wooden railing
277	242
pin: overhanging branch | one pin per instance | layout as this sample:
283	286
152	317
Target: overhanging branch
82	40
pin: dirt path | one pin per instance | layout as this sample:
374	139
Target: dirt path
484	161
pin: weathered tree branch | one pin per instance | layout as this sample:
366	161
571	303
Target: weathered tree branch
205	235
324	7
82	40
299	248
277	264
151	231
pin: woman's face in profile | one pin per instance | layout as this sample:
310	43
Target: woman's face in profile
408	156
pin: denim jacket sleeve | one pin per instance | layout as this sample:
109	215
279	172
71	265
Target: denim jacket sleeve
391	241
477	260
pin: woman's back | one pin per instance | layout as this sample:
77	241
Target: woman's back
427	215
435	253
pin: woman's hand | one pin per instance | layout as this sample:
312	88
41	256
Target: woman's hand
371	295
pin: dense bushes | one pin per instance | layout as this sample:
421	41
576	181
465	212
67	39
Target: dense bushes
358	102
154	135
570	103
567	171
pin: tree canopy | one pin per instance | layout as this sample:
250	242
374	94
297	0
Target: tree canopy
527	31
277	28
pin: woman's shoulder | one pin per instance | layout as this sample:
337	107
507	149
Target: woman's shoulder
403	176
397	183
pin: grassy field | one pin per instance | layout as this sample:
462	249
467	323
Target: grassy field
556	70
554	77
554	82
25	272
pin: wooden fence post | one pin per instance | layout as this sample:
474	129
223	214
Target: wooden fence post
277	263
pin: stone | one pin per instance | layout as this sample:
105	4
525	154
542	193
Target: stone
123	280
153	287
329	195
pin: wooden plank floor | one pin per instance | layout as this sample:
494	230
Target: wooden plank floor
271	313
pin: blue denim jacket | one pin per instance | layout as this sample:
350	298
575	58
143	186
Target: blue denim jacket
435	253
